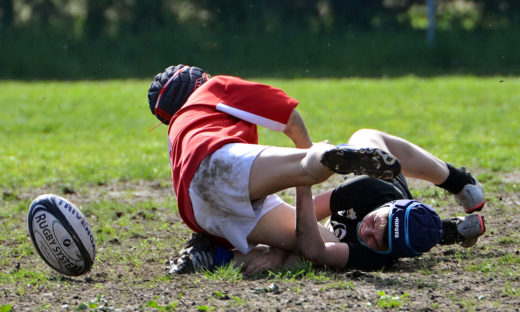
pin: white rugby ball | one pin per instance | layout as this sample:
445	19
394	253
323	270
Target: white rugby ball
61	235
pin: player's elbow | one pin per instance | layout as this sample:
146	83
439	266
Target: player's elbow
311	253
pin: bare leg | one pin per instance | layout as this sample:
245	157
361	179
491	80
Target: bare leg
279	168
282	233
277	229
415	161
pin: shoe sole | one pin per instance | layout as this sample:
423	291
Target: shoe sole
477	207
470	242
471	224
482	225
373	162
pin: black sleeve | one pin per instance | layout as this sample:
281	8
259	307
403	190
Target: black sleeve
363	258
363	194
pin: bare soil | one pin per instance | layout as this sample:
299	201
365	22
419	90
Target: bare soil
483	278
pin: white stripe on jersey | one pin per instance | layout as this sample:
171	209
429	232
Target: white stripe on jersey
252	118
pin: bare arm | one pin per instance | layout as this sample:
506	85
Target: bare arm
322	205
308	238
263	258
297	131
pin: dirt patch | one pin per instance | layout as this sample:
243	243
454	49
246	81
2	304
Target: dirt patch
129	272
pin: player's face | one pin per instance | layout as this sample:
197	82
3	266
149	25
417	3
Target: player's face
372	229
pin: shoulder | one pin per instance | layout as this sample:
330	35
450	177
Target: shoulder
224	84
225	79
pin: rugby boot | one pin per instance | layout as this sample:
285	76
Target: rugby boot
197	255
470	227
471	197
374	162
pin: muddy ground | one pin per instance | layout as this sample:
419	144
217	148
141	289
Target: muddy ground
450	278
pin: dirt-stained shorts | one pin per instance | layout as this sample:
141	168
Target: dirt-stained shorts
219	193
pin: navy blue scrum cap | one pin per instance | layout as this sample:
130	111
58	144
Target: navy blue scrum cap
171	88
413	228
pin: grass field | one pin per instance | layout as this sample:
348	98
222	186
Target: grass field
89	142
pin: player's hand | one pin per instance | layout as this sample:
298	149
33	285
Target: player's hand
260	260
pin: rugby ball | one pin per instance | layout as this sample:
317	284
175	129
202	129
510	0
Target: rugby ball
61	235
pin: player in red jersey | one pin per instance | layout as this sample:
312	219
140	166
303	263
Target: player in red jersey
224	180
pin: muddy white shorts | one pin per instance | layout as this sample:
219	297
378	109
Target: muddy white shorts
219	193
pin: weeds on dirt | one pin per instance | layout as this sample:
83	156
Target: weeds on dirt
338	285
118	175
226	273
388	302
168	307
304	270
133	246
507	266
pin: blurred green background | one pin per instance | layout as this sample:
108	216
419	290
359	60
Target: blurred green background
100	39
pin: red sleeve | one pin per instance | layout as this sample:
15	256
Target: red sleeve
253	102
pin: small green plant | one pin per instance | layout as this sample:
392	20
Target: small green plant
169	307
485	266
6	308
25	278
346	285
304	270
387	301
97	304
226	273
506	265
237	301
510	291
509	258
469	304
426	283
46	306
508	239
220	295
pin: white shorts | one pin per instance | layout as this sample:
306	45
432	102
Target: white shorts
219	193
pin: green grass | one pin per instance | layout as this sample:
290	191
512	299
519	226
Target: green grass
461	119
225	273
72	134
389	302
78	135
302	271
507	265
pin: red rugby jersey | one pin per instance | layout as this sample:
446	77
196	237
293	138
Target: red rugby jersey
223	110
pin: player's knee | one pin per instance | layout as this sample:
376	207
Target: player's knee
366	134
369	138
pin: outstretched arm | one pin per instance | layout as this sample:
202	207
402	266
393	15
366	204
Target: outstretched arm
308	238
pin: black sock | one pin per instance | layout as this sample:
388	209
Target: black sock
456	180
450	234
